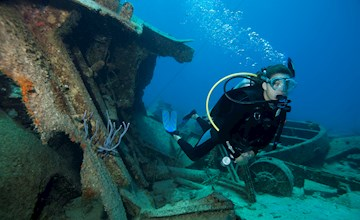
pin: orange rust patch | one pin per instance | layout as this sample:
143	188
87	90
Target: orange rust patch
26	85
26	88
37	122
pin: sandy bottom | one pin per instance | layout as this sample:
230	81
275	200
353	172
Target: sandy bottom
299	206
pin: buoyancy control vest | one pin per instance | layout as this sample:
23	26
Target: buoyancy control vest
250	124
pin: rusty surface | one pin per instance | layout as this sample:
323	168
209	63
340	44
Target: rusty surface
127	11
43	53
68	58
213	206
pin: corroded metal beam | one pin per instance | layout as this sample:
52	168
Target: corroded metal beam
42	52
165	45
153	39
342	183
213	207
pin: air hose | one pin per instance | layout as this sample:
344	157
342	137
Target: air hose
234	75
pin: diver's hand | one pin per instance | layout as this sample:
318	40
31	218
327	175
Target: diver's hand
241	159
244	157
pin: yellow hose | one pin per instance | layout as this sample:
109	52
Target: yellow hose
215	85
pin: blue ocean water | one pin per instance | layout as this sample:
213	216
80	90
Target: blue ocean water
322	37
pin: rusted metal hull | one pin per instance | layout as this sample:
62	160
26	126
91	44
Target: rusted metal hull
69	57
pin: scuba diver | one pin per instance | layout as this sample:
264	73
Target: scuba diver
246	118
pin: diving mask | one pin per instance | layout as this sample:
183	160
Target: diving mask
284	84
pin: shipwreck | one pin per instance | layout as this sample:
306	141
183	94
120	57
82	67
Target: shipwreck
75	132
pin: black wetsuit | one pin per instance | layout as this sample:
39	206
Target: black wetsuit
250	125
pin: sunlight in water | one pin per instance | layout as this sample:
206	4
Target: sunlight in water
222	27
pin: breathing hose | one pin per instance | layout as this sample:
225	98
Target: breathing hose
240	74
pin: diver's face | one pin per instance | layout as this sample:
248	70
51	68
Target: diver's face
279	84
